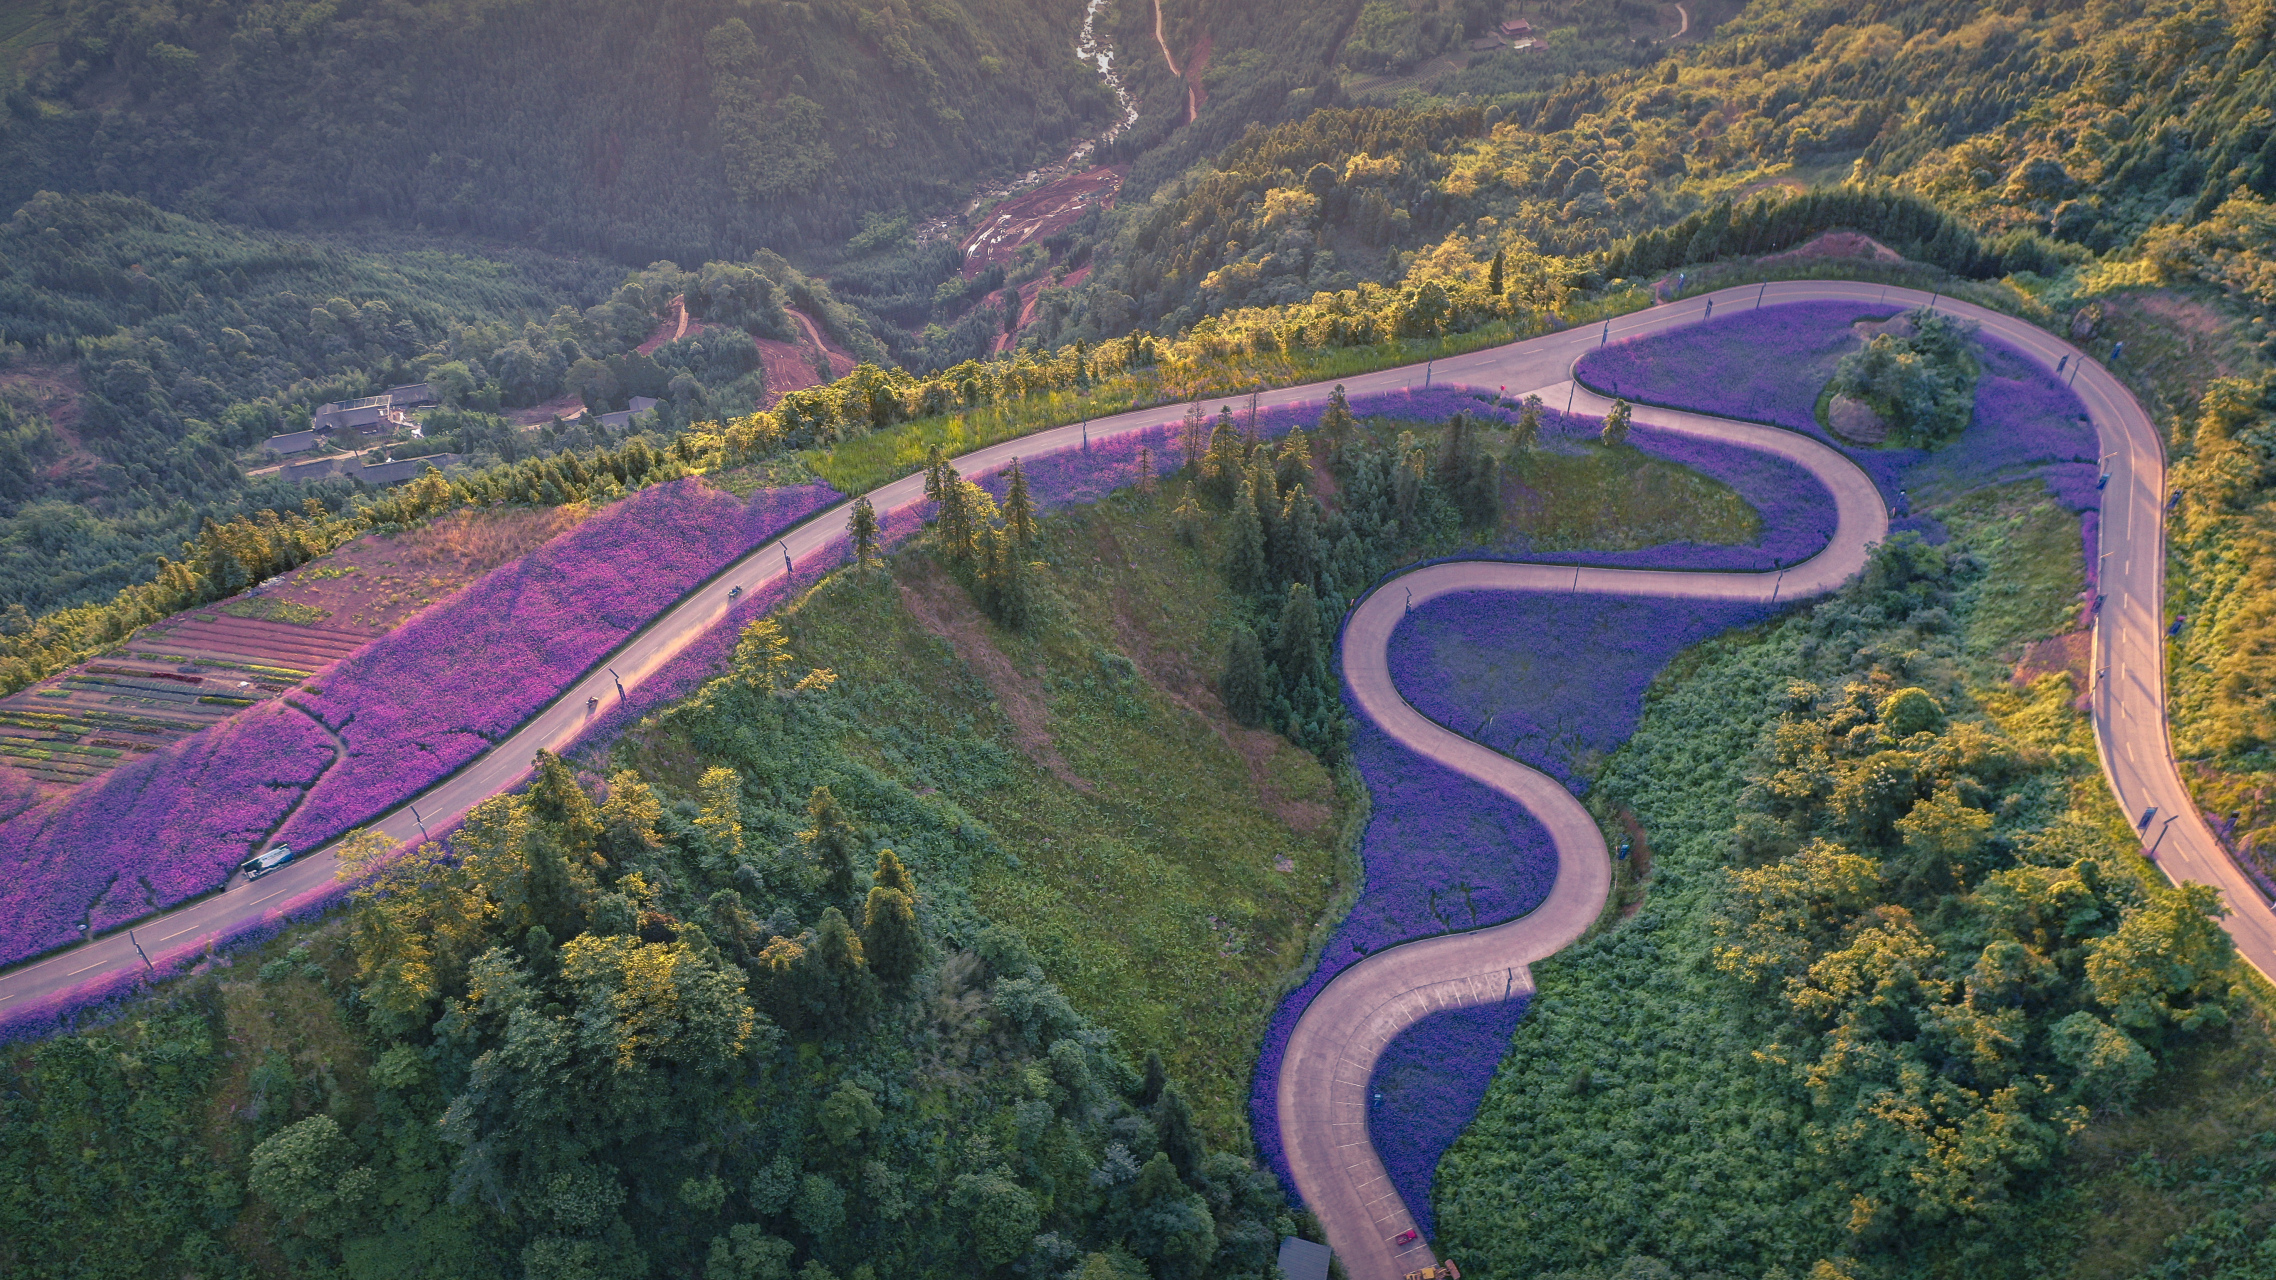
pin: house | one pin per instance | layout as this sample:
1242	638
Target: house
412	395
1486	42
623	421
367	414
1301	1259
399	470
1517	27
292	442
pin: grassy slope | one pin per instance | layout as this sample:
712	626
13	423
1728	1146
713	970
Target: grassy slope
1146	834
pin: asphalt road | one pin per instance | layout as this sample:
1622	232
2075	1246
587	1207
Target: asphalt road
1338	1173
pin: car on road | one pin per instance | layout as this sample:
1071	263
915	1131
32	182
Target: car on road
262	864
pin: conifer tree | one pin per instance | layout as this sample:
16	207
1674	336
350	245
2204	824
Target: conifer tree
840	991
1221	470
1337	423
1243	683
1188	516
936	468
762	655
1145	470
1019	513
628	818
1174	1132
862	525
1303	553
1301	650
1266	491
1196	439
1293	469
890	938
1494	273
952	526
720	819
561	804
1245	561
834	841
894	874
1157	1075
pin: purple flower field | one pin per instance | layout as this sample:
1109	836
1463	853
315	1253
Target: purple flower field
155	831
1426	1088
17	792
1442	854
435	693
1768	365
411	707
1556	681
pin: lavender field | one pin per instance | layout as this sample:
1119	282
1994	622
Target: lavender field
1769	365
410	708
155	831
432	695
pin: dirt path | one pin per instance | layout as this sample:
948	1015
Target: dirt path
945	609
1192	98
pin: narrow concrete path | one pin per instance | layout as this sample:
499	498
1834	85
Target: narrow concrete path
1331	1053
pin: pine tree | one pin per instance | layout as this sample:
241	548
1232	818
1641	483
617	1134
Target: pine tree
834	841
1175	1134
1196	438
557	800
1188	515
1244	546
1221	470
862	525
1337	423
1145	470
840	991
720	819
894	874
953	527
1019	513
1292	468
762	655
1243	684
1157	1076
890	938
1616	424
1494	273
1303	554
1301	651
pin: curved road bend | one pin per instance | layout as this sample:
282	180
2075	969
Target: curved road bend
1332	1051
2129	711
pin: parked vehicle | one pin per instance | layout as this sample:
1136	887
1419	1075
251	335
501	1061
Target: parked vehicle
262	864
1407	1237
1443	1271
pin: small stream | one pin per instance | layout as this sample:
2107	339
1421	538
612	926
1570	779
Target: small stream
1093	49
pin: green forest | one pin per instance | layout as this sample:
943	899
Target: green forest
806	978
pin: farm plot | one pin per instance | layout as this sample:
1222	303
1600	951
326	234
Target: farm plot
197	669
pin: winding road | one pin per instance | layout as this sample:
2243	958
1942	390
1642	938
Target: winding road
1332	1051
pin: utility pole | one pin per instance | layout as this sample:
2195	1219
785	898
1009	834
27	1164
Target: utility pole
140	952
421	821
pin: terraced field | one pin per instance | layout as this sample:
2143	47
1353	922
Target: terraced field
168	683
199	668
